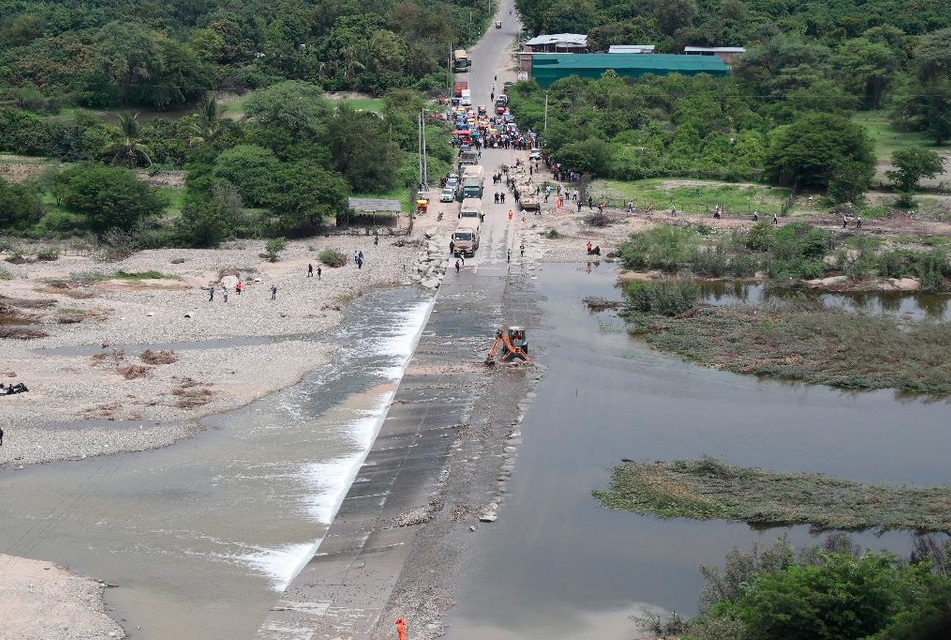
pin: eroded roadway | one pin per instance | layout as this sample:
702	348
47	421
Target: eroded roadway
342	591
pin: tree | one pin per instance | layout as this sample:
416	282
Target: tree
130	151
290	118
207	123
816	147
304	193
363	151
251	169
867	69
110	197
20	206
674	15
23	132
129	55
206	221
911	165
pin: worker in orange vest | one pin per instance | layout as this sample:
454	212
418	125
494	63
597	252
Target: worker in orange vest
400	628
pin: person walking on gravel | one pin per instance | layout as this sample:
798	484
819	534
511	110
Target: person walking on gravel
310	270
273	292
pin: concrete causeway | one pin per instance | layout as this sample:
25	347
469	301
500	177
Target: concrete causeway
341	592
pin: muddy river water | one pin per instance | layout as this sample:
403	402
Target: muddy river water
558	565
201	537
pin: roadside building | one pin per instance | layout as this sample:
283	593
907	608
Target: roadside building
632	48
548	68
727	54
554	43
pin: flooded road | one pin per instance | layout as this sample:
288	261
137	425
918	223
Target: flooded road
201	537
558	565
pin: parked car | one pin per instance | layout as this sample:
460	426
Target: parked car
448	194
452	180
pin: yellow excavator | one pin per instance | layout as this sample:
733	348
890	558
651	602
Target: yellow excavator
514	345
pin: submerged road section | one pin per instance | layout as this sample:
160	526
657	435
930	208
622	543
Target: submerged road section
341	592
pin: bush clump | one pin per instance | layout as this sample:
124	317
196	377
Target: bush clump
662	297
332	257
48	254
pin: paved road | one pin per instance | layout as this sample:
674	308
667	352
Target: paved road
342	592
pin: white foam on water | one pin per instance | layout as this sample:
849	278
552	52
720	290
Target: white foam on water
280	564
408	325
327	482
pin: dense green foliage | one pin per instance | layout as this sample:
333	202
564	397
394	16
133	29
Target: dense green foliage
674	23
782	114
911	165
109	197
288	165
794	250
151	54
834	592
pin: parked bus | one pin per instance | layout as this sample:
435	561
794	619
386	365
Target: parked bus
460	60
472	181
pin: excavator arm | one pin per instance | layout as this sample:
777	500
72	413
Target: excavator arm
501	337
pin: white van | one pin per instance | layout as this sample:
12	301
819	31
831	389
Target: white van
466	99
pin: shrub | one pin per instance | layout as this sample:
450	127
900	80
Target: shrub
16	257
663	297
23	132
273	247
48	254
110	197
332	257
662	247
5	274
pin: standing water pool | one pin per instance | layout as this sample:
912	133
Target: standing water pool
558	565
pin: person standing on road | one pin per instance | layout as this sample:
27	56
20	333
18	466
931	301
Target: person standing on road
211	293
511	214
521	249
376	239
457	266
319	271
224	292
1	436
237	288
310	270
452	247
508	256
273	292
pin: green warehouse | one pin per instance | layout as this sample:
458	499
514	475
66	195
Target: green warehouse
549	67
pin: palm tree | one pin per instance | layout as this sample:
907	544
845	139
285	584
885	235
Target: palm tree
207	124
130	151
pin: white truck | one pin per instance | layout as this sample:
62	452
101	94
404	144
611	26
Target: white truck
466	98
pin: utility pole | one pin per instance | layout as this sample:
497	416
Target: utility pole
419	146
422	128
546	111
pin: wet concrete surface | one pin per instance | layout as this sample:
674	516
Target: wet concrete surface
343	589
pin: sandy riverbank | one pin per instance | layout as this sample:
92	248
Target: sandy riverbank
91	393
44	601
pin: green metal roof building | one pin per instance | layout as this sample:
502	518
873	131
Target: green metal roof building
549	67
